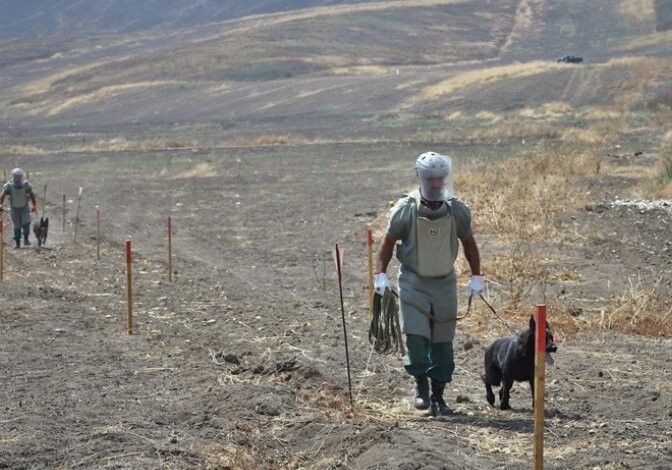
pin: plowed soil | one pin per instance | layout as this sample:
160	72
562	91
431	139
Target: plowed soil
239	361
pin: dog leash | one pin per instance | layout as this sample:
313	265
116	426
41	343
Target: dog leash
492	310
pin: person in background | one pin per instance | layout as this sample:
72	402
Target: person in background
425	227
20	193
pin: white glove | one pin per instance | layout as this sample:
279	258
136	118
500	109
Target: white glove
381	283
475	286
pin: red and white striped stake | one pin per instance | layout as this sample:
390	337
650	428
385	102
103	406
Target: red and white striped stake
338	259
539	382
369	242
170	249
129	287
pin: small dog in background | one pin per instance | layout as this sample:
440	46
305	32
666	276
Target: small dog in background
511	359
41	230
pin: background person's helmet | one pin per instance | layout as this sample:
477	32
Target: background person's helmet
17	175
434	165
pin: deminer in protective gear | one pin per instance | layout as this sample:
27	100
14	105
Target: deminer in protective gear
425	227
20	193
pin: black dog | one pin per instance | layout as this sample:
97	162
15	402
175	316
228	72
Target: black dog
512	359
41	229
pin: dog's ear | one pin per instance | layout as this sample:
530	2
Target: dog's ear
46	222
532	324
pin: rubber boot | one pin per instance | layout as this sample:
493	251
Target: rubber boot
26	231
438	405
421	392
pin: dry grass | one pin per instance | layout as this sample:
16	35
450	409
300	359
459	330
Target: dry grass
480	77
121	144
102	94
488	116
359	70
643	11
549	110
222	456
517	198
268	140
647	73
662	38
602	133
666	157
641	310
21	150
517	202
508	130
202	170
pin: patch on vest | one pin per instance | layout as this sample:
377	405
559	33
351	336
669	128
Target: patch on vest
434	232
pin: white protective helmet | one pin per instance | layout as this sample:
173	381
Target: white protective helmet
434	165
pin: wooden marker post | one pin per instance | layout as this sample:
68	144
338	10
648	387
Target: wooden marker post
97	232
170	249
129	287
369	242
63	221
539	381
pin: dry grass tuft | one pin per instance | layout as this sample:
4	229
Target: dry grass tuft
666	157
508	130
202	170
222	456
641	310
268	140
518	198
591	135
550	110
359	70
122	144
21	150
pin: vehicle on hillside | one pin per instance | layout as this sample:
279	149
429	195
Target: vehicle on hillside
570	59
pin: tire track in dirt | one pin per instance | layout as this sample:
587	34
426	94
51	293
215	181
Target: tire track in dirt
523	19
583	84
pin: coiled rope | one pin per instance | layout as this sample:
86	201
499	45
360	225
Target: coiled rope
384	332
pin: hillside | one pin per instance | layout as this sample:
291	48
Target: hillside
269	139
44	18
360	68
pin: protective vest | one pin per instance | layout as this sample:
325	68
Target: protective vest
431	248
18	196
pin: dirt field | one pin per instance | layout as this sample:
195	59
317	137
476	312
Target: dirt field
239	362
